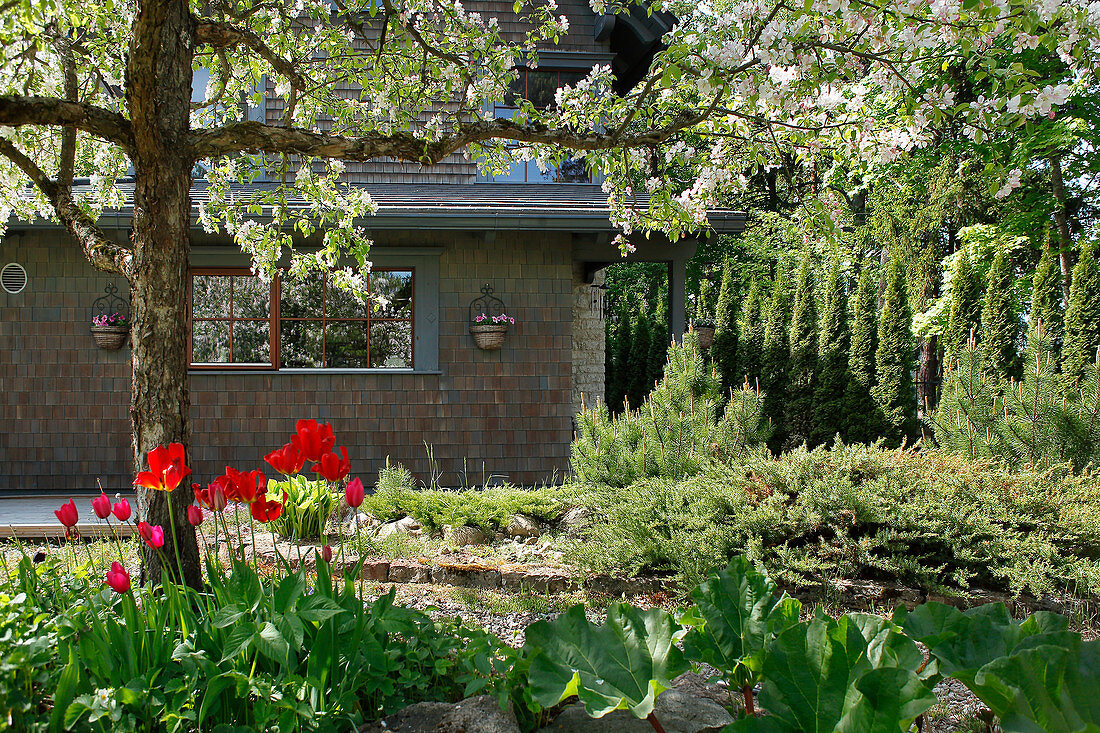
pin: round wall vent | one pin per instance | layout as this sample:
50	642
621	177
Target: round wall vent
13	278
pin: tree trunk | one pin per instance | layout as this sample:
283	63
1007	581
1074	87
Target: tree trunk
1061	219
159	76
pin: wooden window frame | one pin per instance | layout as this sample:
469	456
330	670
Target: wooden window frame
275	319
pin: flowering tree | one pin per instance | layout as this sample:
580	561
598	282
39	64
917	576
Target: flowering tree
95	89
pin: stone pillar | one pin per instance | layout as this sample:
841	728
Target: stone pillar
588	339
677	299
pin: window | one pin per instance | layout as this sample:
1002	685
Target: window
539	86
237	321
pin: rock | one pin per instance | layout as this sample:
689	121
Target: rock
472	715
575	518
469	575
405	525
677	711
406	571
464	535
537	579
523	526
479	715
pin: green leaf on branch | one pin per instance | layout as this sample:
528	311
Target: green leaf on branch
737	612
623	663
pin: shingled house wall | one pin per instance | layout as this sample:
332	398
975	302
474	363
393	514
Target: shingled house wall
506	413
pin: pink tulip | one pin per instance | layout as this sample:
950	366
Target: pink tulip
353	493
118	578
153	536
194	515
101	505
121	510
67	514
326	553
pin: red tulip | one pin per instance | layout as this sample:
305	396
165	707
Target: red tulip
266	511
332	468
101	505
194	515
213	497
121	510
326	553
118	578
67	514
353	493
153	536
313	440
244	487
166	469
288	460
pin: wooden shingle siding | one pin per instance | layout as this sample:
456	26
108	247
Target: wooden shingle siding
67	402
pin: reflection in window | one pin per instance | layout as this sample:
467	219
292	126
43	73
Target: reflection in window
539	86
318	325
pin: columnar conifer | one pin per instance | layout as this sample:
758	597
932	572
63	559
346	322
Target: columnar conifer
894	363
1000	323
777	353
619	385
724	350
1046	299
861	415
966	304
659	339
750	353
803	365
1082	329
638	363
832	375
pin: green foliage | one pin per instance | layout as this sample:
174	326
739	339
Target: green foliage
801	377
894	391
620	664
1039	421
737	612
658	343
964	316
863	419
855	674
724	349
637	364
705	304
1046	299
929	520
490	508
829	416
618	383
1000	324
308	506
1082	315
675	432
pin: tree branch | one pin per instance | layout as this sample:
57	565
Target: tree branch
103	253
18	111
257	137
221	35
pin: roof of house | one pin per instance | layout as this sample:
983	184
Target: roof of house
569	207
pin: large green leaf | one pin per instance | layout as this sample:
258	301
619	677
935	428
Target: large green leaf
1044	688
964	641
737	612
856	673
623	663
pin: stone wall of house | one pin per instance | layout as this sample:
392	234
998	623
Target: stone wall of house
588	338
506	413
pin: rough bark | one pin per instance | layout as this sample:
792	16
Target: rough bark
159	97
16	111
1061	221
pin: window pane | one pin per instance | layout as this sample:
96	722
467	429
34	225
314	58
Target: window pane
339	304
541	86
302	299
346	344
300	344
572	170
251	298
516	86
391	344
210	296
395	287
210	342
251	342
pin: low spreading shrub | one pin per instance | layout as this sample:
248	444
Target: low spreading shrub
490	508
679	429
927	519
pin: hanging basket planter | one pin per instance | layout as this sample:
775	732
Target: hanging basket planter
489	336
110	337
110	319
706	336
488	321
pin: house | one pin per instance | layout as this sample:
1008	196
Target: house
404	383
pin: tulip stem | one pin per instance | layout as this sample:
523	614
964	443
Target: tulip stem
359	546
175	542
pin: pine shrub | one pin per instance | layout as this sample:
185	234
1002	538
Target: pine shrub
675	432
